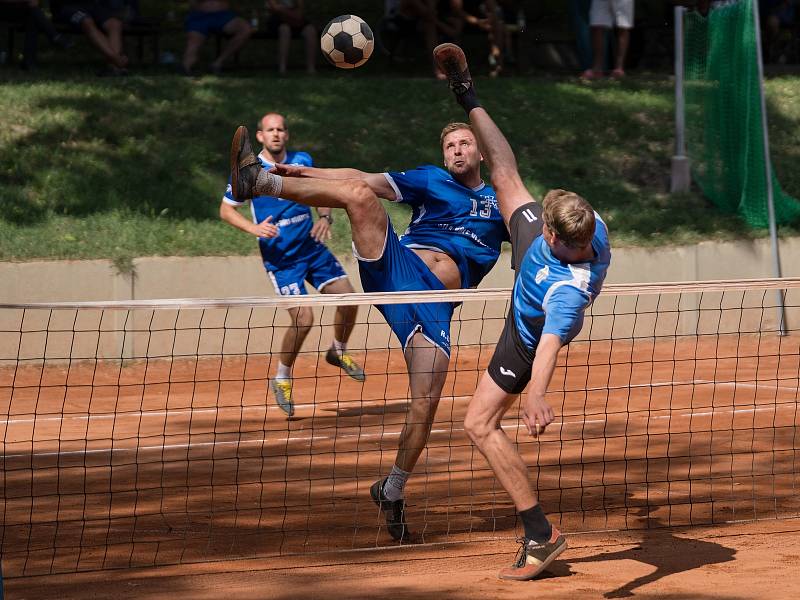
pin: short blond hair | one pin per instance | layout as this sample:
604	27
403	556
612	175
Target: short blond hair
569	217
450	128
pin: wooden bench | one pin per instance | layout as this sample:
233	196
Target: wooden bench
140	28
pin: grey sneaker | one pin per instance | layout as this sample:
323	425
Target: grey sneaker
282	389
346	363
395	512
534	557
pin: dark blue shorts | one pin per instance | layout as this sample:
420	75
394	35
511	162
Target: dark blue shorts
318	267
400	270
208	22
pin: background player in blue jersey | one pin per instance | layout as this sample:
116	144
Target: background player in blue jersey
560	254
293	252
452	241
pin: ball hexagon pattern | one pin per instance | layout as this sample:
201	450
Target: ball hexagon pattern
347	42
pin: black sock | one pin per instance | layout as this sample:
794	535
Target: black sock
468	100
536	525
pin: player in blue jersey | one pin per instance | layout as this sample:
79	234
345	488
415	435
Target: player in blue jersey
293	252
452	241
560	254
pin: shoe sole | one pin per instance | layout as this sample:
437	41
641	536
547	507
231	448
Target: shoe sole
450	59
547	562
283	405
236	148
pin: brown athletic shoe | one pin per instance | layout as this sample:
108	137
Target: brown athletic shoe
244	166
534	557
450	59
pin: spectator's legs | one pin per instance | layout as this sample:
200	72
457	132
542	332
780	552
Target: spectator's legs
623	41
102	43
31	39
312	48
241	31
113	29
598	49
194	41
284	41
579	13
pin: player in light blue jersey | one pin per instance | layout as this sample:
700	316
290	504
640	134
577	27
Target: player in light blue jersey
560	254
452	241
293	252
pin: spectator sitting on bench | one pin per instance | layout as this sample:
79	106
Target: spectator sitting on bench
287	19
31	16
213	16
101	21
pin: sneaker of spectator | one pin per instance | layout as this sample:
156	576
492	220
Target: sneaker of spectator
208	17
287	20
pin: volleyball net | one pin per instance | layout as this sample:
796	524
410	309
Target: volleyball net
144	433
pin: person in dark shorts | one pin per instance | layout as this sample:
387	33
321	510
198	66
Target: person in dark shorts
213	16
101	22
560	255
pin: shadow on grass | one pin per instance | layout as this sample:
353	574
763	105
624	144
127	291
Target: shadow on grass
156	146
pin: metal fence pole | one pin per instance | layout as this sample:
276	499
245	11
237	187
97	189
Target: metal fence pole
681	178
773	230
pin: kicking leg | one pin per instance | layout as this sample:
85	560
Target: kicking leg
368	219
496	151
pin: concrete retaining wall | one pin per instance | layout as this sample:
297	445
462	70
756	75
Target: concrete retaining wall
140	333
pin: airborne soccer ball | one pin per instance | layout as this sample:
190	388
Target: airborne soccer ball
347	42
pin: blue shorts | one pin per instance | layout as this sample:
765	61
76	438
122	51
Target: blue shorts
400	270
318	267
208	22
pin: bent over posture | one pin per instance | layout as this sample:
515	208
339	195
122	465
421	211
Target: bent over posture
560	253
453	241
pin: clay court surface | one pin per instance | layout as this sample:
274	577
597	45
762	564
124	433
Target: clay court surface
178	478
734	562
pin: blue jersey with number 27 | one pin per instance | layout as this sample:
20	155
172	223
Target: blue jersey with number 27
462	222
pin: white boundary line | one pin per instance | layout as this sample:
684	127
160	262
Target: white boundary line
368	436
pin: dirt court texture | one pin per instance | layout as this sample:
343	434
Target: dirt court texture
143	456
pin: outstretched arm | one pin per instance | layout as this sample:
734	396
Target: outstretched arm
376	181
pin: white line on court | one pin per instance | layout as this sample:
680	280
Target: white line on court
261	408
365	436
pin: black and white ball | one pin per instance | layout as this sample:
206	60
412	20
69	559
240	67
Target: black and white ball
347	42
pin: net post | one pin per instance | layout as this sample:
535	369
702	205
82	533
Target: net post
681	179
773	230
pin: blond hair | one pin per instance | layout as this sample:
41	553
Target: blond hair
450	128
569	217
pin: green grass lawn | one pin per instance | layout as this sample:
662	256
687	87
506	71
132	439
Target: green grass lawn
94	168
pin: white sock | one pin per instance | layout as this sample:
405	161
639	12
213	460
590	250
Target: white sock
395	484
284	372
340	347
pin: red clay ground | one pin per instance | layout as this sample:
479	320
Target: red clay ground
164	462
734	562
